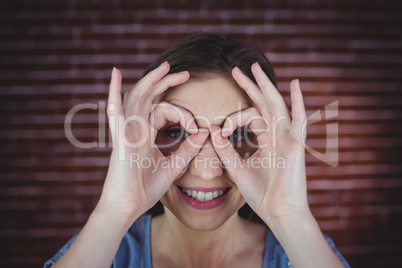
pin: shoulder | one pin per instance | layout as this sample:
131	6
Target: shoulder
275	255
139	231
134	249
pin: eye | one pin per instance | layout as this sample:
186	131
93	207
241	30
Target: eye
244	141
176	133
238	135
169	139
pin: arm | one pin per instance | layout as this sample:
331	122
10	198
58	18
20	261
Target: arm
98	241
130	189
304	243
278	194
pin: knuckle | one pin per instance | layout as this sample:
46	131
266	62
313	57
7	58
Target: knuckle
265	110
164	104
230	121
125	95
137	96
143	83
265	85
252	111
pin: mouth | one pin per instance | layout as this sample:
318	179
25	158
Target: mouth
204	198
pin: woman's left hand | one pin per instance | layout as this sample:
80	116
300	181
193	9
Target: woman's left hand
277	193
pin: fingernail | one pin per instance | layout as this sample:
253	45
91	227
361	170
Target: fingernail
193	127
298	82
237	69
164	63
113	71
224	133
183	72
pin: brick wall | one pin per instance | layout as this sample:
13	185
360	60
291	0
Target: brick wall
57	54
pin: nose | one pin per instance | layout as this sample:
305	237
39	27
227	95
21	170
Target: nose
206	164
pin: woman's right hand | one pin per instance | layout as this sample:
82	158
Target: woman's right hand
130	189
139	174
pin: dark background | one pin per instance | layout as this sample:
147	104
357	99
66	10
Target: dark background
57	54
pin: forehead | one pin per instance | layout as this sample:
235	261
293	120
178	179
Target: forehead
210	100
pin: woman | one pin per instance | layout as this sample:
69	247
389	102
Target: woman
205	132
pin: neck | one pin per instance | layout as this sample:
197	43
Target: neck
192	248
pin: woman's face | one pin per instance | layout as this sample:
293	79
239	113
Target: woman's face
210	101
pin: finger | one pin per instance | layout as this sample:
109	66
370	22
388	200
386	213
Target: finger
170	80
166	82
187	150
298	111
230	159
272	95
252	119
251	89
270	92
114	98
138	93
151	78
144	103
114	108
166	112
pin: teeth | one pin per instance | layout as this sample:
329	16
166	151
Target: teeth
203	196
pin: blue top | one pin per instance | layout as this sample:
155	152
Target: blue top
135	249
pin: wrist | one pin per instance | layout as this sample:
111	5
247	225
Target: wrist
113	218
99	239
296	228
304	243
290	223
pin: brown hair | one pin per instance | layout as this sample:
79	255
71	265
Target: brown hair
211	53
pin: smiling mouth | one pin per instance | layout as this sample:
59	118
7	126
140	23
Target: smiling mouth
202	196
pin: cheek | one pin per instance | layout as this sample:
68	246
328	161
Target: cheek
168	199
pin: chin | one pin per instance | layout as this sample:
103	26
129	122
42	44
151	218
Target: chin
204	222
